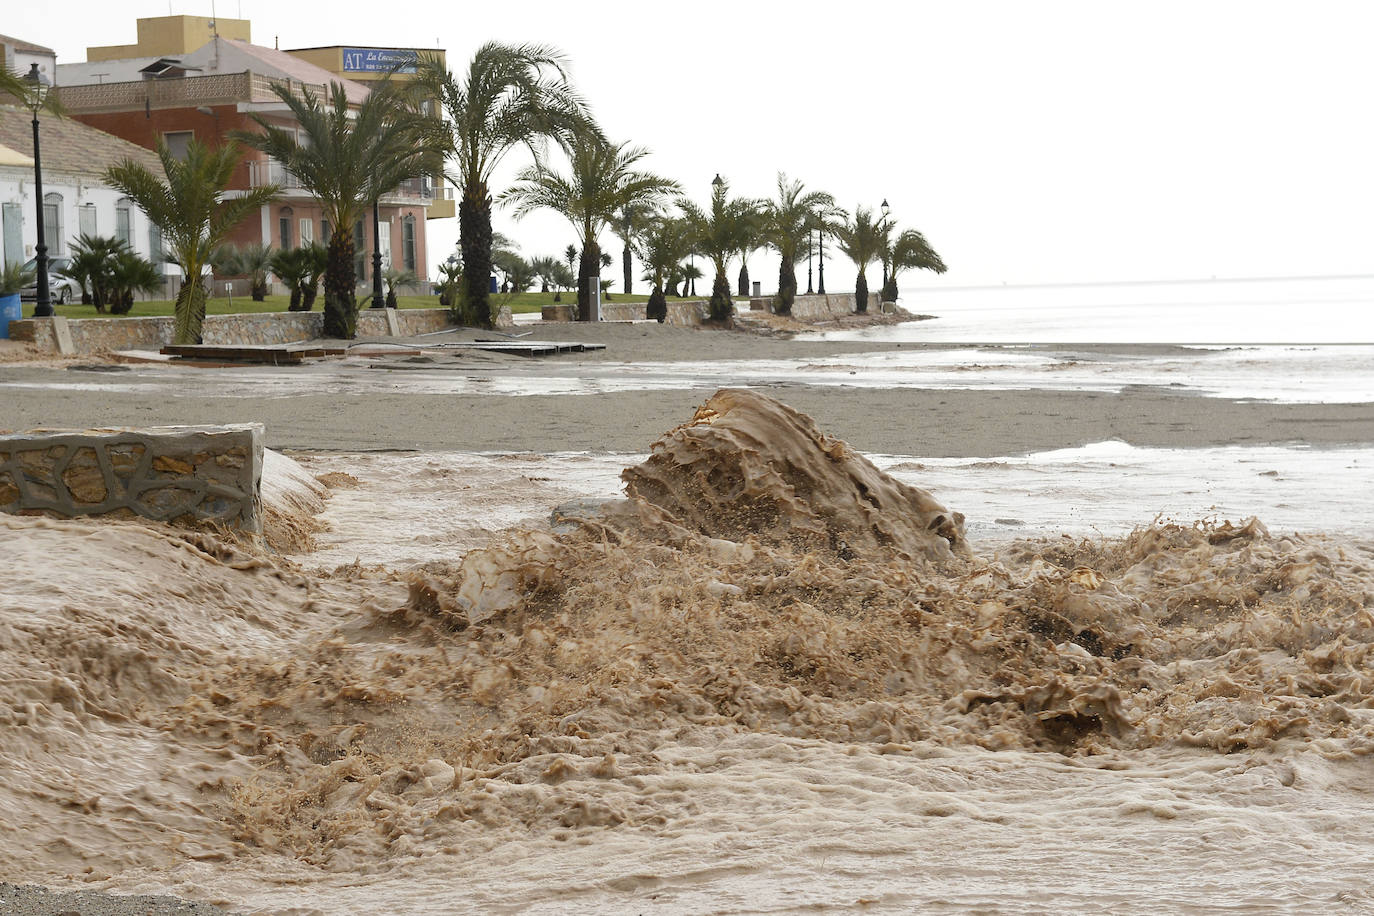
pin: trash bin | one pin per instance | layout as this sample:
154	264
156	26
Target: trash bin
9	311
493	287
758	289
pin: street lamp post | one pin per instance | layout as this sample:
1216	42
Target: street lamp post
886	210
810	247
37	93
377	300
820	270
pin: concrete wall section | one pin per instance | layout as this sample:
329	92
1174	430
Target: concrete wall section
686	313
184	475
818	308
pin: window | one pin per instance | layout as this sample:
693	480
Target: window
52	223
177	141
324	232
155	243
86	218
384	242
284	228
307	230
408	243
124	220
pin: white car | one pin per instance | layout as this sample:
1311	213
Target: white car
61	288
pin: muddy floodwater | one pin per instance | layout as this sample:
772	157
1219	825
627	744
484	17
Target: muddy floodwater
745	669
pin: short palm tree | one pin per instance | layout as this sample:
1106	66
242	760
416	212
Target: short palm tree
662	243
131	274
788	219
195	216
511	95
601	180
348	158
300	269
907	251
719	232
92	260
751	239
252	261
397	278
545	269
862	239
627	225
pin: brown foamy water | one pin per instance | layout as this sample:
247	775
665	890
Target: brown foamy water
773	679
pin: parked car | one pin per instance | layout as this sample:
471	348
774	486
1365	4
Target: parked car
61	289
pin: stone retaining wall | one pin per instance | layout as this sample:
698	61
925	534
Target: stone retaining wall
90	335
817	307
179	474
685	313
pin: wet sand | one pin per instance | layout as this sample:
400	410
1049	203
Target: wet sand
909	421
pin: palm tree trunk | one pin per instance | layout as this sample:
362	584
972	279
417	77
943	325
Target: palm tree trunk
743	280
259	289
628	266
588	272
787	286
340	299
722	308
190	312
296	295
658	305
861	293
474	227
308	297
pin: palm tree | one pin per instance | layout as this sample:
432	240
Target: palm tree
788	219
909	250
92	259
251	261
348	159
687	274
628	223
862	239
193	213
130	274
511	95
396	278
600	182
291	266
719	233
751	239
663	243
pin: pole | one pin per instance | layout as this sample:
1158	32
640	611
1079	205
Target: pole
377	301
42	307
820	286
810	248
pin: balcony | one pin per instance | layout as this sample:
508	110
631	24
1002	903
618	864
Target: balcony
263	172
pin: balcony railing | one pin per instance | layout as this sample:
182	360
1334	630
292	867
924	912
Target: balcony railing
264	172
422	188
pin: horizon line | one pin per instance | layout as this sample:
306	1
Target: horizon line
1073	283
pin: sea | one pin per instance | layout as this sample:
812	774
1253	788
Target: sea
791	678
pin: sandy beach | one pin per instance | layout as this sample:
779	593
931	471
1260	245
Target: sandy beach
351	405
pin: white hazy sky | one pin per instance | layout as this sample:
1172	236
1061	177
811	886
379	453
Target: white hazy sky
1040	141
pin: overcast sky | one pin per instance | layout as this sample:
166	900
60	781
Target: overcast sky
1030	141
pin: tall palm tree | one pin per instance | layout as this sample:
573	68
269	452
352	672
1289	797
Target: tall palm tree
719	232
511	95
788	219
601	180
862	239
907	251
348	158
662	243
193	213
627	225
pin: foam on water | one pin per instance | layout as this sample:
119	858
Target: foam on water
775	678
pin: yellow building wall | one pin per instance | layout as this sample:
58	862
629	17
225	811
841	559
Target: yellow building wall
163	36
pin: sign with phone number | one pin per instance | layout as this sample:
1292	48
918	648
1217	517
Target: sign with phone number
378	60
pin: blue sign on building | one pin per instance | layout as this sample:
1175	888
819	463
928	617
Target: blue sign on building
379	60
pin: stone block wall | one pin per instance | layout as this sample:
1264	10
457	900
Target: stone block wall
184	475
91	335
817	307
681	313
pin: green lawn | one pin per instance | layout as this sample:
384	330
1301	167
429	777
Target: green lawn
519	302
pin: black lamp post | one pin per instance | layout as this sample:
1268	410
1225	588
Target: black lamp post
886	210
38	88
820	270
377	300
810	246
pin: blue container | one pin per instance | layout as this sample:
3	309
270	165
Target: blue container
495	288
9	311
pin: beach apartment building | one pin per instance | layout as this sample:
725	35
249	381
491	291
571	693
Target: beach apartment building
177	93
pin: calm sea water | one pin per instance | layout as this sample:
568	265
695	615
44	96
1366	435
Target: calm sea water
1279	311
